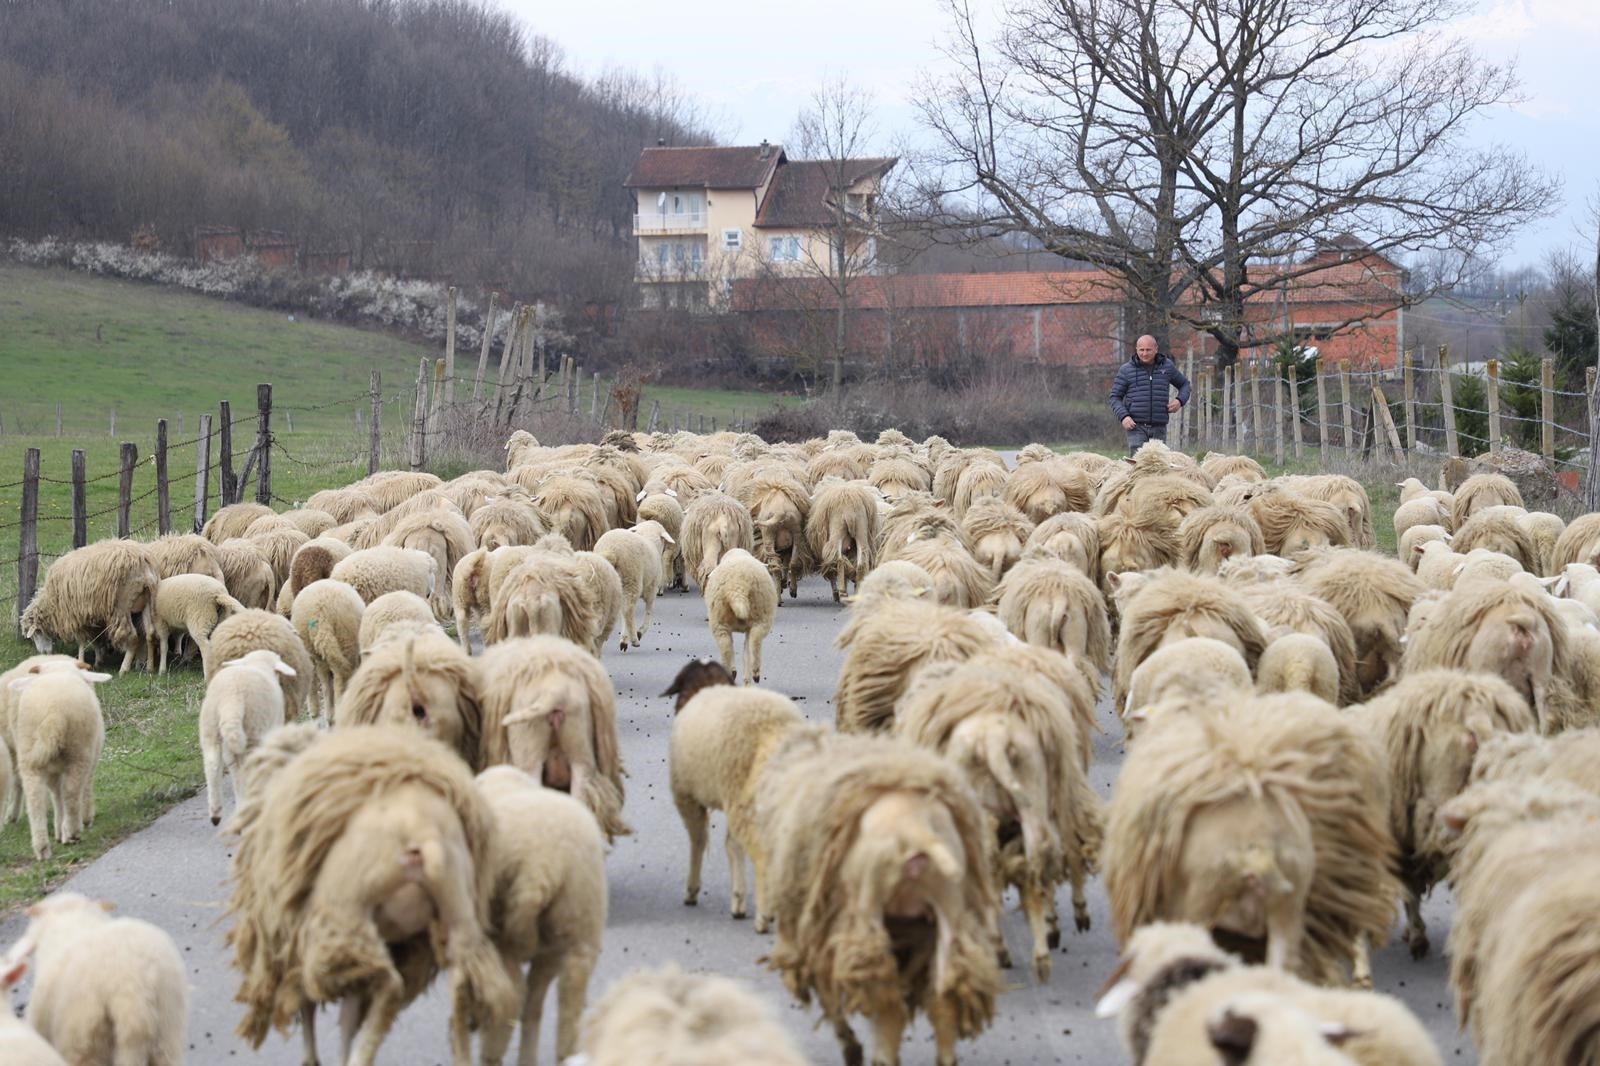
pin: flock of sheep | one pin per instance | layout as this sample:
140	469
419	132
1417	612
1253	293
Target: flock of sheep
1317	733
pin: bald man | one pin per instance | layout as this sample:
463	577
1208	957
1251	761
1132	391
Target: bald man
1141	396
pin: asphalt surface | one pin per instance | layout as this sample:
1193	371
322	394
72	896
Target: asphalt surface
173	874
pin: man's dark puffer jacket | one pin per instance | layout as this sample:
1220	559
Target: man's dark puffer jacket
1142	391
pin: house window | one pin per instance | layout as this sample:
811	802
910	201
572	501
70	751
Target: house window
785	249
732	239
661	255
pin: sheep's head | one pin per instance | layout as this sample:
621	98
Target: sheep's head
697	674
1153	950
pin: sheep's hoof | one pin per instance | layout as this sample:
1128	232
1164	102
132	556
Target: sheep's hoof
692	900
1041	968
762	923
1418	942
740	915
1364	984
624	644
1052	939
1004	957
216	819
41	854
1081	922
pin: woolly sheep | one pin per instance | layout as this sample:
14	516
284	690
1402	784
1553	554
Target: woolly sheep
959	580
846	464
947	473
1219	465
469	593
1261	819
1016	738
446	537
231	521
605	588
1173	605
392	614
11	799
374	571
981	480
1373	593
1048	487
383	822
20	1045
57	731
1422	511
533	590
105	989
1286	605
550	709
575	506
1174	493
506	521
1182	671
1497	532
779	506
1544	530
1072	538
243	703
638	565
866	831
194	604
668	512
1415	539
736	602
721	740
107	588
345	505
277	547
1484	564
1142	540
246	631
372	532
1298	662
1051	604
894	580
1480	491
248	576
895	476
313	561
996	531
1210	536
1172	977
842	531
1292	524
183	553
1437	565
651	1018
886	645
714	524
1578	543
1257	570
327	617
549	900
309	520
421	680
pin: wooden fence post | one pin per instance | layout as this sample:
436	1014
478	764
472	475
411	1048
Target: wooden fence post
1380	406
594	397
449	351
1294	410
419	417
436	408
130	458
1408	400
202	473
483	351
1205	410
1277	418
28	538
1322	417
1591	495
1547	407
1225	409
1491	393
1239	421
80	500
1452	443
1257	419
1186	420
227	484
655	416
264	443
507	357
1347	411
163	487
374	434
574	386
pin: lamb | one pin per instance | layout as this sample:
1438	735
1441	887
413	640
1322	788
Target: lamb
231	521
575	505
1173	605
1374	594
869	832
549	898
722	738
1422	511
192	604
244	632
1480	491
392	614
1262	820
1484	564
57	730
248	576
667	1015
1050	604
374	571
1437	565
105	989
327	617
1298	662
11	799
637	562
506	521
1432	723
420	680
446	537
779	507
243	703
1497	532
20	1045
997	531
1415	539
1180	672
362	866
714	524
1017	739
886	646
103	589
549	709
1285	605
1048	487
1212	535
736	602
185	553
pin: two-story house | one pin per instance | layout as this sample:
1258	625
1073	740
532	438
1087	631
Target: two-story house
705	217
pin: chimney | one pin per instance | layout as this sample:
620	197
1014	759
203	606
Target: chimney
661	142
766	149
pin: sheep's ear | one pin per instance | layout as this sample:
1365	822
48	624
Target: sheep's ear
1561	585
284	668
639	498
11	972
1114	579
92	677
519	717
673	493
231	662
667	537
21	684
107	906
1118	991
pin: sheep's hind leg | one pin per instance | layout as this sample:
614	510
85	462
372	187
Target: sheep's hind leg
308	1034
375	1025
1035	904
1361	963
1416	928
74	785
572	994
629	635
695	822
942	1015
752	652
888	1031
724	639
737	871
541	972
848	1044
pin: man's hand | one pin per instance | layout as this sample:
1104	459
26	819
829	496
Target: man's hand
1128	423
1172	406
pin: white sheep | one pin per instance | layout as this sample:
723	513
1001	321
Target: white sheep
11	798
105	990
671	1016
1183	670
740	598
549	899
248	630
1436	564
59	731
327	617
20	1045
374	571
637	561
1411	542
243	703
392	613
1299	662
192	604
1422	511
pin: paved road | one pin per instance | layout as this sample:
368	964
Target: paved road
173	874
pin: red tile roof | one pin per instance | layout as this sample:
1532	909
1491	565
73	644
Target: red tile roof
799	193
711	168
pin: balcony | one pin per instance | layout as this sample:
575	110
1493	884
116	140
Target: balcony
672	270
657	222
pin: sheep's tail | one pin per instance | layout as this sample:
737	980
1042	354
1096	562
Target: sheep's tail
227	604
739	600
230	728
51	741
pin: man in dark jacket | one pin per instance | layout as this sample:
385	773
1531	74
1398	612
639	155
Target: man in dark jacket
1140	394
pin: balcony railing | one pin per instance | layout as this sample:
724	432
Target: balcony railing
672	270
660	222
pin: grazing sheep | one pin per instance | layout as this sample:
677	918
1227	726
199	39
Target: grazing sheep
1172	977
894	476
1347	495
1212	535
1422	511
1497	532
373	533
105	990
248	630
1480	491
549	709
388	490
183	553
549	903
996	531
636	558
1017	739
886	645
1260	819
722	738
667	1016
1051	604
1415	539
362	868
346	505
1186	670
499	522
1437	565
192	604
248	576
1172	605
846	464
277	547
1298	662
58	731
1144	539
446	537
1374	594
1173	493
387	568
1048	487
421	680
1544	530
519	447
313	561
1292	524
327	617
548	593
575	504
779	506
310	521
947	474
106	589
243	703
392	614
1482	564
714	524
738	603
232	521
881	889
1285	604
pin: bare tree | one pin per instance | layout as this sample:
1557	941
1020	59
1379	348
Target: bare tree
1200	151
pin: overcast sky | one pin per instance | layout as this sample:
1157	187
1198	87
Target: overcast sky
754	65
